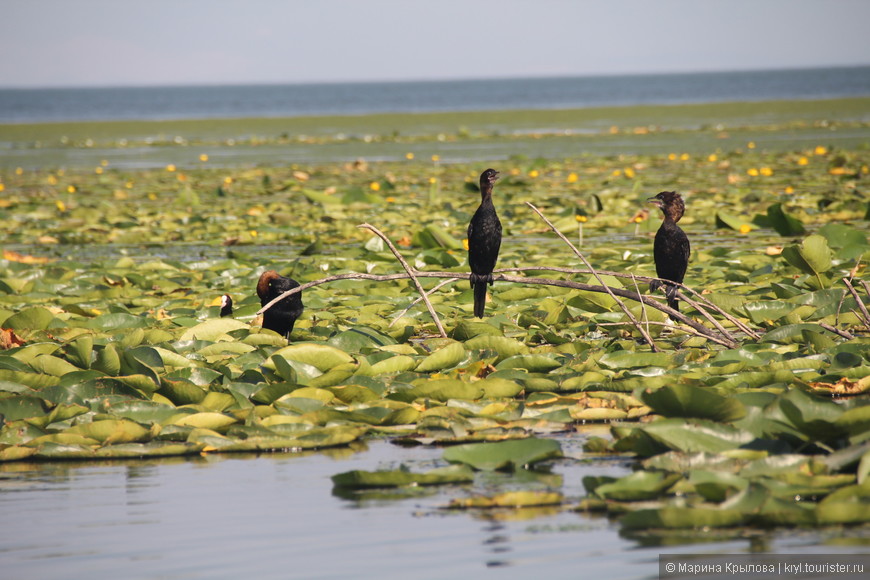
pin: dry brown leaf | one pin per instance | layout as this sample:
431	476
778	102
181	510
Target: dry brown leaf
24	259
8	339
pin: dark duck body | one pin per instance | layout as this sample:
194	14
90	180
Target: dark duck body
484	241
226	305
671	248
282	316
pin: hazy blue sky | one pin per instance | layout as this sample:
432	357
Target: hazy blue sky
119	42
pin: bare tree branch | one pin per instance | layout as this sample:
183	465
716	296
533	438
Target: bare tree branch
621	292
411	275
845	334
646	337
418	300
865	316
670	325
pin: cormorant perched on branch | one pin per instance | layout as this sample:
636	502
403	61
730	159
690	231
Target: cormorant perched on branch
282	316
671	247
484	241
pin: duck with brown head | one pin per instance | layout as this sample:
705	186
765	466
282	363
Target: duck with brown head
484	241
671	247
282	316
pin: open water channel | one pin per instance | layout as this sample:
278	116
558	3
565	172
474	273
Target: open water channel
278	516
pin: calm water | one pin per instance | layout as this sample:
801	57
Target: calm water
276	516
152	103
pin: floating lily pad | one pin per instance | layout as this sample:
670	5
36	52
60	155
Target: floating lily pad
509	455
399	478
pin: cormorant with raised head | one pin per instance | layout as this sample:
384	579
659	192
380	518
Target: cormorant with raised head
282	316
671	247
484	241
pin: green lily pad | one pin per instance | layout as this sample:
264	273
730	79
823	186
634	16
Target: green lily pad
399	478
213	329
509	499
504	455
639	486
321	356
783	223
811	256
688	401
443	358
35	318
682	518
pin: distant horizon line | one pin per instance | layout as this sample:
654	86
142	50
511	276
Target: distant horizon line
426	80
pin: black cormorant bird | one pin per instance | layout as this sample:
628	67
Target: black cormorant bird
484	241
671	247
282	316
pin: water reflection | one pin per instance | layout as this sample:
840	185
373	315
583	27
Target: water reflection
497	543
277	516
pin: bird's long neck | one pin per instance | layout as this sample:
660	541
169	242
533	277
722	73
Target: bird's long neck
673	213
485	193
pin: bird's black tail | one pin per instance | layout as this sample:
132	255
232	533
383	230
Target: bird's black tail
478	284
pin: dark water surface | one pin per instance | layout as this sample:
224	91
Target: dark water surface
276	516
214	102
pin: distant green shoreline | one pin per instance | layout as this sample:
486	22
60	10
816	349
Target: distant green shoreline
453	137
684	116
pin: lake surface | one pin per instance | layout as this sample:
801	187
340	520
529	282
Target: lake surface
212	102
276	516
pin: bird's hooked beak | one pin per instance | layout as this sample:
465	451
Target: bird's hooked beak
494	176
655	201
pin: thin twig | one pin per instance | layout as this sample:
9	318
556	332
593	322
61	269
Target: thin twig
866	316
732	319
680	327
642	305
706	315
418	299
411	274
647	338
645	279
845	334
